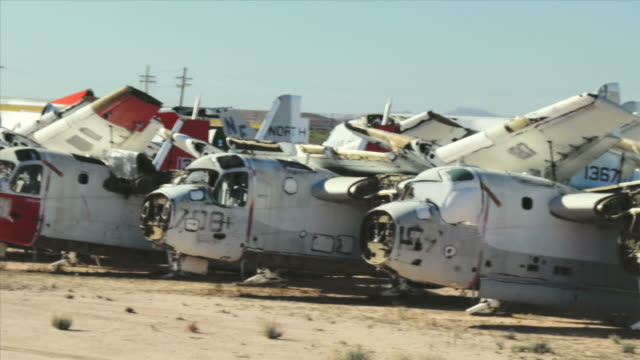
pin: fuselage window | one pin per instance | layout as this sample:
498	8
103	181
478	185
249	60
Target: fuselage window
201	177
232	190
460	175
83	178
6	168
27	180
527	203
230	162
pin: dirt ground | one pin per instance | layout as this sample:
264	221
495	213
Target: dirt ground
121	314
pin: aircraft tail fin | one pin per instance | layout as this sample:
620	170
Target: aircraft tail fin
610	91
284	122
236	126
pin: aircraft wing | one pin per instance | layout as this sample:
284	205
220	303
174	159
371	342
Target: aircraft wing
572	133
430	127
433	127
107	123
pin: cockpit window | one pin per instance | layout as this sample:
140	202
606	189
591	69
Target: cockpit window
230	162
27	180
294	165
206	177
232	190
408	192
27	154
460	175
6	168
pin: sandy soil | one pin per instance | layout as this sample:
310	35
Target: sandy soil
321	318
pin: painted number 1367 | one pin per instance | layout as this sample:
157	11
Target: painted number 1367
605	174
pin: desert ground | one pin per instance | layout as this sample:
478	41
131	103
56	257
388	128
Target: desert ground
137	314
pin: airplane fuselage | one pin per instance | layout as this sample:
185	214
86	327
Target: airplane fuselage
493	231
58	201
235	207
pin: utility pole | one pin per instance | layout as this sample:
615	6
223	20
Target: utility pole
183	83
146	79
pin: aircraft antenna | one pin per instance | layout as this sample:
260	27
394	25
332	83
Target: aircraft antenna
147	79
622	160
183	83
553	163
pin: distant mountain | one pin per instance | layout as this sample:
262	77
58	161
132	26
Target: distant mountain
471	111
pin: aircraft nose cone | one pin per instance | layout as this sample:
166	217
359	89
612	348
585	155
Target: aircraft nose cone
377	235
155	217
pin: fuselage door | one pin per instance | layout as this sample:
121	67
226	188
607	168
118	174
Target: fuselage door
20	205
228	221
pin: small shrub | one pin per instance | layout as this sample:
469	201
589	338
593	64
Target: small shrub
615	338
403	313
69	296
130	310
272	331
61	322
628	348
193	327
538	348
510	335
355	354
500	345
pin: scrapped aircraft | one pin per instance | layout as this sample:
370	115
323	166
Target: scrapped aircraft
52	198
612	167
60	201
513	238
237	207
261	210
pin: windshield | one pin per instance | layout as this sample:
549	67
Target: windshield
6	167
27	180
232	190
201	177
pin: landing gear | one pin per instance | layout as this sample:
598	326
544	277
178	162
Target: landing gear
399	287
486	306
265	276
180	265
68	258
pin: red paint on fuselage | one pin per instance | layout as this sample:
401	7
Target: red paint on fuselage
20	225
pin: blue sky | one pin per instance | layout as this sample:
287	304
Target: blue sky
342	57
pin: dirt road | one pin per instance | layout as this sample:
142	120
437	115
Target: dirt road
136	315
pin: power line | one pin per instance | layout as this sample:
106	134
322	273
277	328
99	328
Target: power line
183	83
146	79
